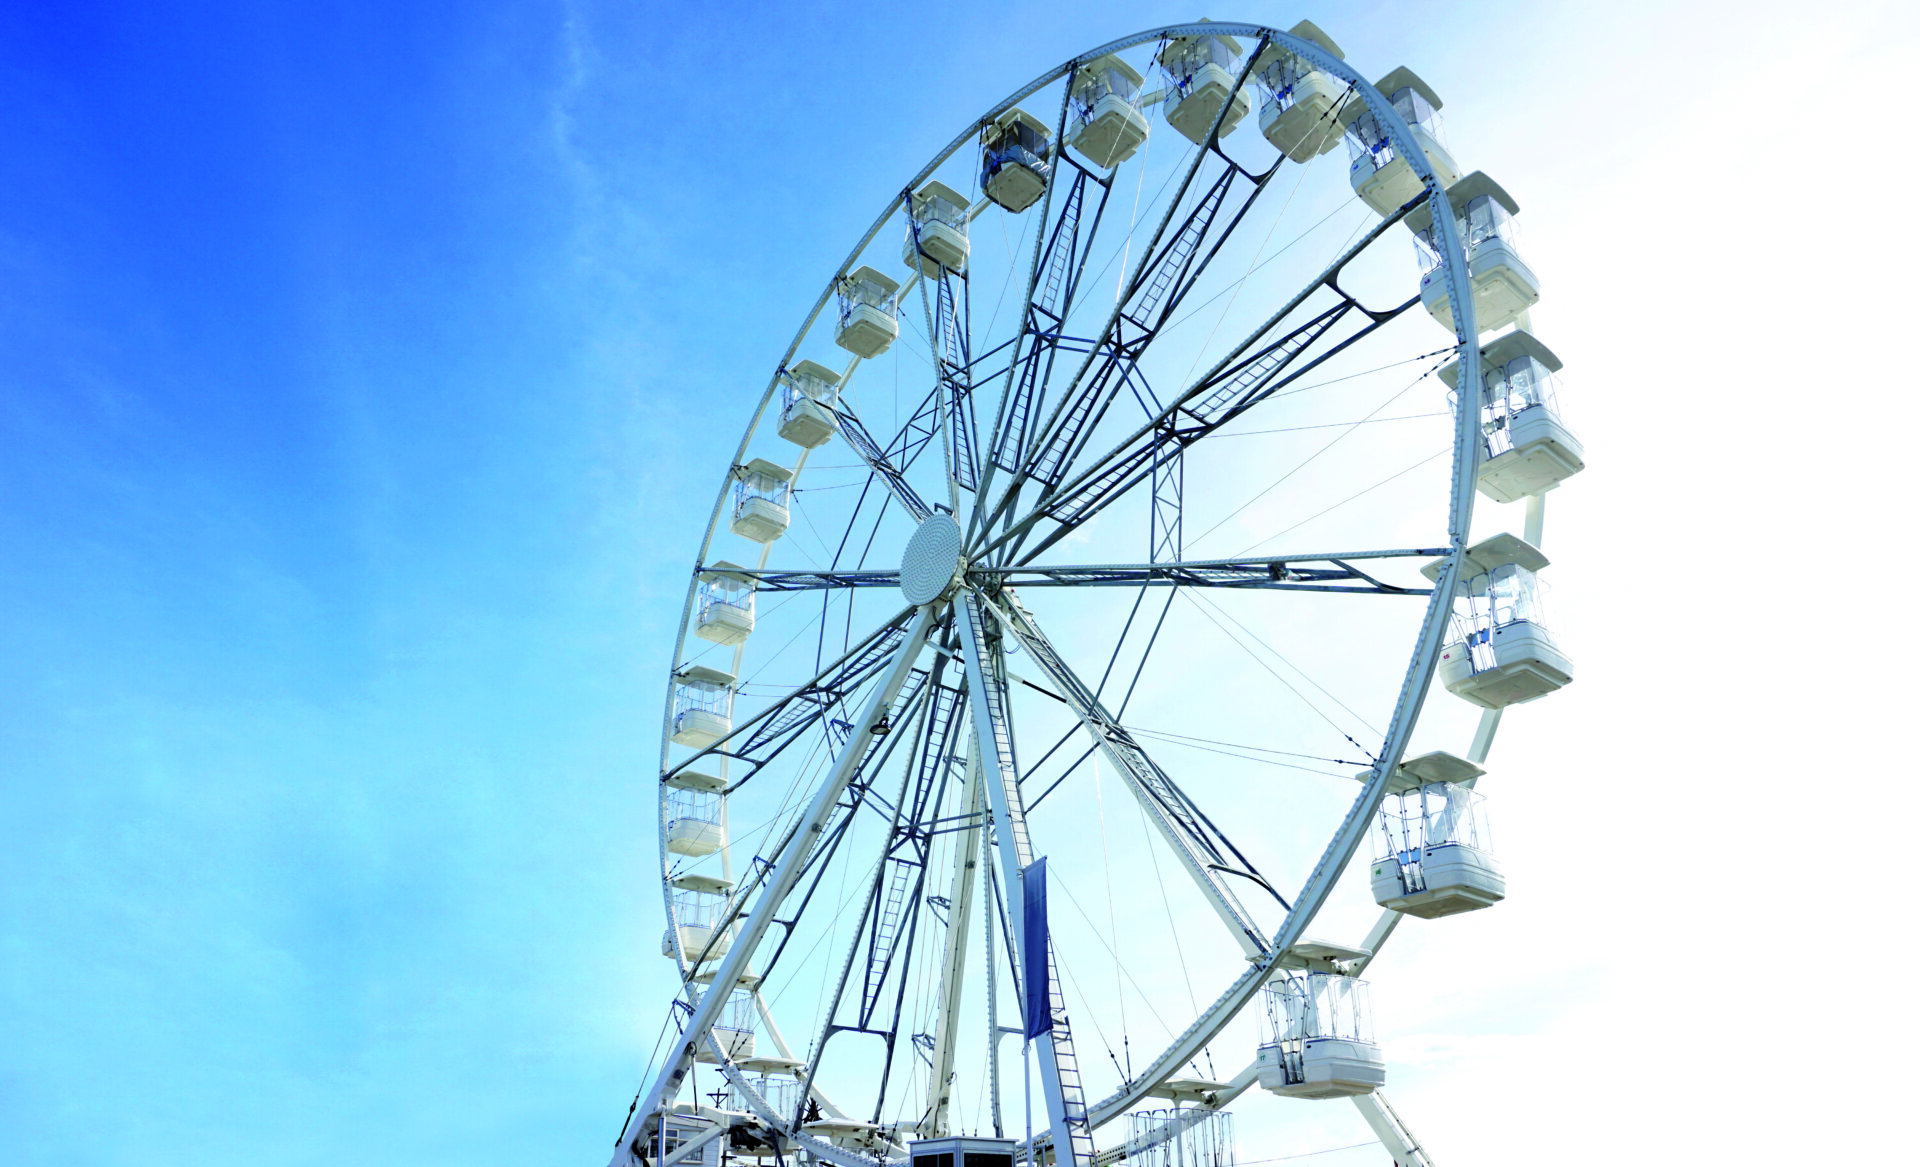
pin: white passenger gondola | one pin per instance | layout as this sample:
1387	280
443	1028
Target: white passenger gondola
806	404
1106	111
1321	1037
937	231
699	914
702	706
1503	287
867	323
725	604
1500	652
1434	849
1180	1136
761	493
1016	158
732	1034
1299	113
696	824
1528	448
1200	71
781	1092
1380	176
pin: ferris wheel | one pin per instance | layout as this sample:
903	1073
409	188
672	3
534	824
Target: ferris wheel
1064	628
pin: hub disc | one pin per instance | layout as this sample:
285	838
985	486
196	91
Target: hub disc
932	564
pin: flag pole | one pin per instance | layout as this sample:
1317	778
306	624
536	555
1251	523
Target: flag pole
1026	1090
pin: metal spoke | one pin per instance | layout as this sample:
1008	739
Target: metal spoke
889	919
779	880
807	703
1314	572
779	580
870	452
947	337
946	1026
1246	376
874	752
1391	1130
1166	525
1188	833
1062	256
1160	281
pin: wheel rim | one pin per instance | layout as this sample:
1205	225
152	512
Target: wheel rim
994	539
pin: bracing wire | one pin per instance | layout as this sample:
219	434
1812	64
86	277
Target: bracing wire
1310	458
1252	263
1113	916
1180	737
1307	1154
1281	657
1054	878
1291	688
1262	761
1294	429
1173	927
1343	502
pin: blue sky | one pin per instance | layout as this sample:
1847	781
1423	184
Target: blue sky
327	575
357	379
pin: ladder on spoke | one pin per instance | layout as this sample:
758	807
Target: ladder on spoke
1173	261
901	876
1065	237
1067	1065
955	384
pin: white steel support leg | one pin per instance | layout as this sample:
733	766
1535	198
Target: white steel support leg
1392	1133
953	961
989	907
780	879
1059	1075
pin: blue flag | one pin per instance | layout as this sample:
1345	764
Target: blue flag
1035	951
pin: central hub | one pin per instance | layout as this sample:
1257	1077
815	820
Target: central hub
933	564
